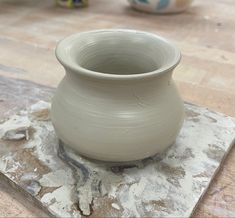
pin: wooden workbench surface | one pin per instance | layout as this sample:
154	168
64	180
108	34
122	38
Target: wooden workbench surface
30	29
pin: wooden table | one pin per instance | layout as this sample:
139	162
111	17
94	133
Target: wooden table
29	31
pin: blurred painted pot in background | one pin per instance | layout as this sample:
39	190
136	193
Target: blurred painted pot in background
72	3
117	101
161	6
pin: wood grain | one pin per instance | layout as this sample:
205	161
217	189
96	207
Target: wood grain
30	30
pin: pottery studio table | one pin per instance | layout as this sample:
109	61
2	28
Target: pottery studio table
30	30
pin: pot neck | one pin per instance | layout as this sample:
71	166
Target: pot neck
76	75
81	82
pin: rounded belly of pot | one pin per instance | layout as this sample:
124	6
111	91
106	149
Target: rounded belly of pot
113	131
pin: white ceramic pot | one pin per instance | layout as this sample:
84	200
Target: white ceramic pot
117	101
161	6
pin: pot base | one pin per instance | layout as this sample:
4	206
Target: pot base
65	151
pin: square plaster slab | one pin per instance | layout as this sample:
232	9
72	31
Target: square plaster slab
65	184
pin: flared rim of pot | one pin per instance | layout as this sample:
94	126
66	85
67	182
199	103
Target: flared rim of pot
65	54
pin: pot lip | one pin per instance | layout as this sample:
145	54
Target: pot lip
64	46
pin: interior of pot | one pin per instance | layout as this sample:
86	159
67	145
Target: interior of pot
117	58
120	52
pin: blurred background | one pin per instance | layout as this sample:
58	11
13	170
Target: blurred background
204	32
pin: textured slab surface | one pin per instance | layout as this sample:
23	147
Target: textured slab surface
164	185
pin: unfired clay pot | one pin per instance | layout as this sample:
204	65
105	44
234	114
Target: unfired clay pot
117	101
